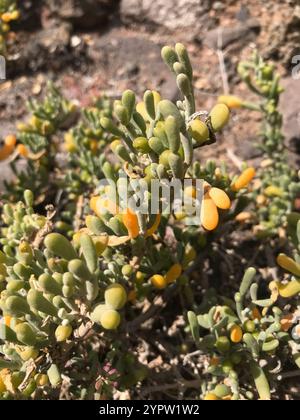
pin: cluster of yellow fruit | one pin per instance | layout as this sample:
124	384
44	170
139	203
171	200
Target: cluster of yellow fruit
216	199
10	147
291	288
107	314
8	17
161	282
8	14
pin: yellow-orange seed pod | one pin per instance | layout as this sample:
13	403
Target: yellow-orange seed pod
232	101
211	397
236	334
174	273
288	264
243	217
209	214
6	17
244	180
155	226
10	140
131	223
159	282
22	150
289	290
2	386
220	198
5	152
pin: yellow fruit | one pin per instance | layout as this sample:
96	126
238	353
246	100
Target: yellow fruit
244	180
70	147
115	144
236	334
22	150
15	15
174	273
231	101
63	333
220	198
6	17
155	226
211	397
110	319
199	131
164	158
7	320
219	117
243	217
209	214
10	140
180	216
159	282
5	27
115	296
140	277
41	380
261	200
289	290
4	153
131	223
273	191
2	386
141	145
27	353
97	313
288	264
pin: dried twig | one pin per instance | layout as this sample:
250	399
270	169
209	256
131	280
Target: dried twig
221	58
79	211
46	229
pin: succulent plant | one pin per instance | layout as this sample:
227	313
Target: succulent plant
9	13
278	185
250	335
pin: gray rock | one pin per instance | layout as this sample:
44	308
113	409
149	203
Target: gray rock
133	62
170	14
242	33
5	174
84	13
290	107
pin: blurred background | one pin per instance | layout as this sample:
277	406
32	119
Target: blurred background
95	47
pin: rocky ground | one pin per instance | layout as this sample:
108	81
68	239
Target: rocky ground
94	46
